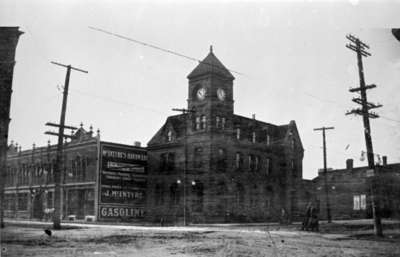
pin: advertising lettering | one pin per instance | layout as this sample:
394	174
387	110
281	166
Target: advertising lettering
121	212
122	183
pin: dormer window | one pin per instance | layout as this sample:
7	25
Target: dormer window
238	133
169	136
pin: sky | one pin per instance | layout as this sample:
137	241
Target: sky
292	56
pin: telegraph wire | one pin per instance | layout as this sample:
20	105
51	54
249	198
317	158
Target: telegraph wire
157	48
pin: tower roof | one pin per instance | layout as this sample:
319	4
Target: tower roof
210	64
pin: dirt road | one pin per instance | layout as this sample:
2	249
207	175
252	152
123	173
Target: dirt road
206	241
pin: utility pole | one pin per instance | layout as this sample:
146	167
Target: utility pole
360	48
184	111
328	206
59	158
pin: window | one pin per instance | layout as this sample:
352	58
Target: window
174	194
223	120
170	161
158	194
197	127
257	163
254	196
239	160
253	137
167	161
169	136
163	161
23	202
221	188
253	162
240	194
221	163
238	133
356	202
359	202
267	166
217	122
363	202
198	152
9	201
203	121
49	199
268	140
198	193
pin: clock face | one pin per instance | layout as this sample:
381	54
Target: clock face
221	94
201	93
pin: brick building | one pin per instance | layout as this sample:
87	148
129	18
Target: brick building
100	180
349	191
9	37
211	165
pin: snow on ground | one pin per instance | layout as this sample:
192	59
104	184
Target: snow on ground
94	240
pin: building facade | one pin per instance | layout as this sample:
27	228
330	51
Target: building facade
9	37
349	191
100	180
211	165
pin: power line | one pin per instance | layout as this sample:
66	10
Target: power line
159	48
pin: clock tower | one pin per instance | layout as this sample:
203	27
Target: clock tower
211	88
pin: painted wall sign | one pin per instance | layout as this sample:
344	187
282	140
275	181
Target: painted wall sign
122	185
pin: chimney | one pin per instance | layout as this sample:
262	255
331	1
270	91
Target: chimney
254	116
349	164
384	160
137	143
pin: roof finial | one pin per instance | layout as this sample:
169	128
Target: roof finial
211	48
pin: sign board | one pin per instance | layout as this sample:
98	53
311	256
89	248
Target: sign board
122	182
370	173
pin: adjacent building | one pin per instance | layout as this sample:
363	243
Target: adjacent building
100	180
9	37
209	164
349	191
